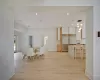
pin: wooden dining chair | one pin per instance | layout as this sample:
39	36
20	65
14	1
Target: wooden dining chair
30	54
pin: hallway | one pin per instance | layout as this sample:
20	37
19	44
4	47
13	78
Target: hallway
53	66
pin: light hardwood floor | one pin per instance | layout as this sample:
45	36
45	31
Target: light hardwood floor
54	66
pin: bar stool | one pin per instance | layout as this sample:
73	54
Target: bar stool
78	50
83	51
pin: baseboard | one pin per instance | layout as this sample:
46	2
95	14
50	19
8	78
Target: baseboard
89	75
11	76
52	51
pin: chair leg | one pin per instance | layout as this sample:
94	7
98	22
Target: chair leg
24	56
35	56
75	54
29	57
42	54
38	56
82	56
32	57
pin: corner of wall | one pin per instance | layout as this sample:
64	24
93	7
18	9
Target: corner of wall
11	76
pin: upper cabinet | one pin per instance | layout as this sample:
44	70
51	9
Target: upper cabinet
70	30
64	30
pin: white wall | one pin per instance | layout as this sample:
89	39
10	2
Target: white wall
6	42
38	35
69	2
20	40
89	42
96	41
24	43
19	27
20	30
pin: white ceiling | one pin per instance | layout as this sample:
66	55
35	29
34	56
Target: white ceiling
49	16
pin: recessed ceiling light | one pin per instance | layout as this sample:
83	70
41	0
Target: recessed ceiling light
36	13
67	13
80	28
81	24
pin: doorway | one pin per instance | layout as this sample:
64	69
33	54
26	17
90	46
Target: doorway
45	40
15	43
